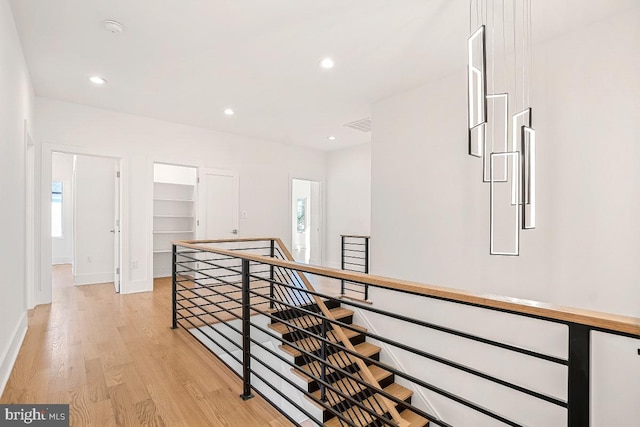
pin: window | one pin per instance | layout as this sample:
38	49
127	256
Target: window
301	215
56	209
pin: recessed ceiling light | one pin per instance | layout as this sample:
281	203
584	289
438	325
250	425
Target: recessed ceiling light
98	80
327	63
332	138
113	26
228	111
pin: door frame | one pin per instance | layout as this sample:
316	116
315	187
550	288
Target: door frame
43	292
30	218
322	212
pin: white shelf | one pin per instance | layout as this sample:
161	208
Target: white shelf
155	199
172	183
174	232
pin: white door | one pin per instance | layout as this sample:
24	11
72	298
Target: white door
218	197
116	230
94	220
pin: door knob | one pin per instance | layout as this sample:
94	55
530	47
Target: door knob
234	231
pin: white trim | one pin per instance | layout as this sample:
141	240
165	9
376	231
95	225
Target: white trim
10	355
418	393
136	286
93	278
30	217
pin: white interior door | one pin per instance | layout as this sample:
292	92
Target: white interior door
94	220
218	199
116	229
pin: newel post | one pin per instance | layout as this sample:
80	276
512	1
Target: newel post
246	333
579	369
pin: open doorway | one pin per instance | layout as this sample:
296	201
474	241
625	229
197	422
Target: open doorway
174	212
85	220
306	221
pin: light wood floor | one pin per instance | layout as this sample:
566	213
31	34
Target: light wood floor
116	361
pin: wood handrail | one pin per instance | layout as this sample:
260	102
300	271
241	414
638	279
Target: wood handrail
599	320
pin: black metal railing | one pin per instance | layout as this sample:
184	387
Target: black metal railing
258	312
354	256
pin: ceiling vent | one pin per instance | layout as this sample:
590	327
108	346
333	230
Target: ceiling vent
363	125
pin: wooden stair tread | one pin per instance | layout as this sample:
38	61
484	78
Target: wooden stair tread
309	320
414	419
313	344
347	386
350	387
378	373
341	359
361	418
398	391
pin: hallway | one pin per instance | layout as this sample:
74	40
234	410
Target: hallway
116	360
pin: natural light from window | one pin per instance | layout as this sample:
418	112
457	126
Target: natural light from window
56	209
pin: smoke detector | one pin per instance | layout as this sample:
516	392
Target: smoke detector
113	26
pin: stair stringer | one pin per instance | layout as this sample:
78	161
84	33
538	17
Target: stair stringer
387	352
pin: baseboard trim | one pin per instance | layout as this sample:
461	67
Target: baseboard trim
11	354
92	279
136	286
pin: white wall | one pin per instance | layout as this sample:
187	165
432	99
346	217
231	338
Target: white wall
534	374
348	197
62	170
173	174
265	169
94	217
430	220
15	107
430	210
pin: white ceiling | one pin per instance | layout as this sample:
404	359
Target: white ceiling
186	60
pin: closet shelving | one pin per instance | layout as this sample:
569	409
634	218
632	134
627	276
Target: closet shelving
173	219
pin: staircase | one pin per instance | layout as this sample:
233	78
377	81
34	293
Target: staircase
310	369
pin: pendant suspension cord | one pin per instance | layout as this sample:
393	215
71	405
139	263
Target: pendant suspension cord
530	24
524	55
493	49
470	17
504	48
493	74
515	62
484	11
